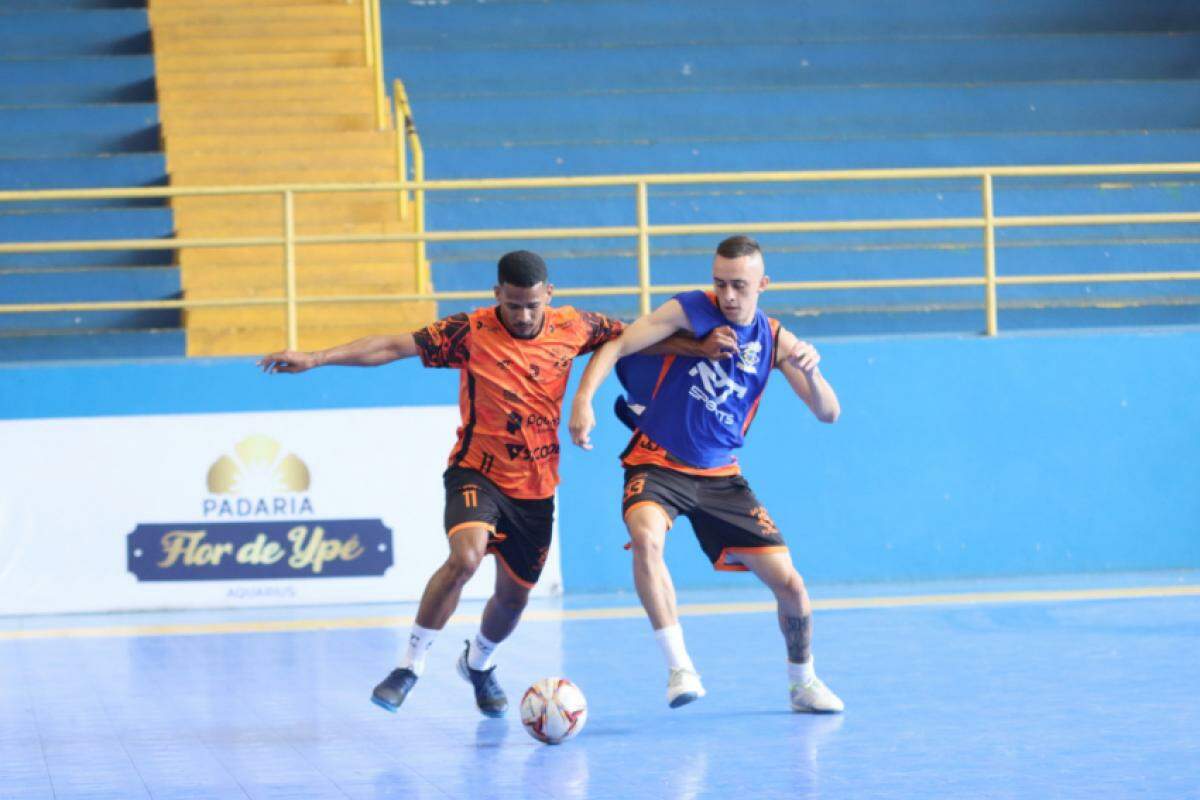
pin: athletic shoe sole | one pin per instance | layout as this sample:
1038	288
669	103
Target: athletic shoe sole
385	706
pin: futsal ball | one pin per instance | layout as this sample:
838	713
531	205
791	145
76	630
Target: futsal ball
553	710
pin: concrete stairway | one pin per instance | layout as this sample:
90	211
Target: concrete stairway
270	92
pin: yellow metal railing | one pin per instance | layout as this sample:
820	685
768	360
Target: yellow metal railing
414	201
643	231
373	55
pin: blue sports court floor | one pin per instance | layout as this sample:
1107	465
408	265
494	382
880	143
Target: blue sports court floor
1077	687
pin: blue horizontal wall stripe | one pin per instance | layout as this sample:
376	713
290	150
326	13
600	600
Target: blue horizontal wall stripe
78	172
728	66
33	81
93	224
904	110
97	284
204	385
508	25
676	153
59	5
18	325
74	32
812	202
109	344
86	225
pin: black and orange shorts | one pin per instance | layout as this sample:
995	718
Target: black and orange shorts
519	531
726	516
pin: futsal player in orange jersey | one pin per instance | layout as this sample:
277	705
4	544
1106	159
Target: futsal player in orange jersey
515	359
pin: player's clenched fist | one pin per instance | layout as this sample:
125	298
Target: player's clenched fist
583	420
721	343
803	356
288	361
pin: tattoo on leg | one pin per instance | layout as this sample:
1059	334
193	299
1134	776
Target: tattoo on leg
797	632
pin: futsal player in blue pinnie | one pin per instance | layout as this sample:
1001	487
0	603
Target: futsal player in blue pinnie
689	415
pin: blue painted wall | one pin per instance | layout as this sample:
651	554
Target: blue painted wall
954	457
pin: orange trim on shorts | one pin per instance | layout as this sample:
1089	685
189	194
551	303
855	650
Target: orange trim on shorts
489	528
509	570
625	514
722	563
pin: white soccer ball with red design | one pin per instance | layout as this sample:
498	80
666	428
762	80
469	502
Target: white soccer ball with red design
553	710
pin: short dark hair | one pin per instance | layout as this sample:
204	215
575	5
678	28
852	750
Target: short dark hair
737	247
521	268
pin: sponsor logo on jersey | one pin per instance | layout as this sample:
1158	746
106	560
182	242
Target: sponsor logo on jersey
714	388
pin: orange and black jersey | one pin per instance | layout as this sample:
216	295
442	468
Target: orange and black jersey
511	390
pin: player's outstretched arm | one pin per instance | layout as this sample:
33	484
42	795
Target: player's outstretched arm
798	361
651	329
370	351
720	343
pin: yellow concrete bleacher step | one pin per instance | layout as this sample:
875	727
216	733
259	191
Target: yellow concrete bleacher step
206	215
369	317
200	219
294	76
207	159
273	228
257	106
312	277
256	340
168	31
216	44
358	278
165	14
374	313
374	173
281	123
155	5
305	254
305	93
193	228
291	139
169	17
307	205
171	62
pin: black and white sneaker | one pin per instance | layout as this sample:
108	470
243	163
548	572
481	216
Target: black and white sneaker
488	695
390	693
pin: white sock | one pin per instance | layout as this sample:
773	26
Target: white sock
479	654
670	639
419	642
801	674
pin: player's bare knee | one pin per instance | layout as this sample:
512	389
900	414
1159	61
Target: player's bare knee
512	601
646	542
790	588
463	564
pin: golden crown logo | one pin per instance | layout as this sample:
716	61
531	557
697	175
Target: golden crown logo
258	466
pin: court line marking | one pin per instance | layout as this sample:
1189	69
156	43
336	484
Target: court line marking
619	612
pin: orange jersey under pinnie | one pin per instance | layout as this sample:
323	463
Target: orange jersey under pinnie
511	390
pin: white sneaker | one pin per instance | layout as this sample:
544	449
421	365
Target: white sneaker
683	687
815	697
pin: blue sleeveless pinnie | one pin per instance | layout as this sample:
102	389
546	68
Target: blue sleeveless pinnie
701	407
